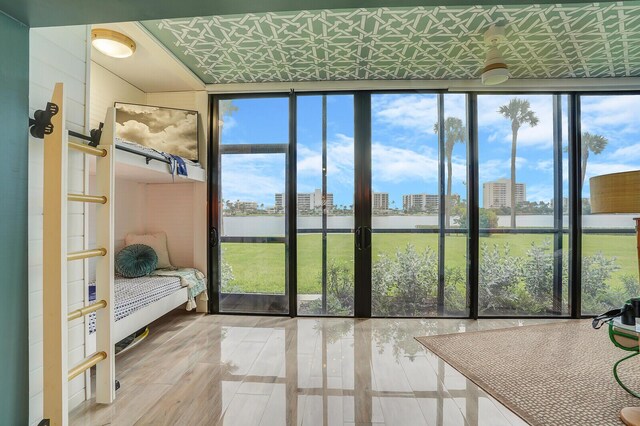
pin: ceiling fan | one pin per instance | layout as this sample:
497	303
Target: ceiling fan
495	70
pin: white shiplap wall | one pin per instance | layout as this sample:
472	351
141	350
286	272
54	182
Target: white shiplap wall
107	88
56	55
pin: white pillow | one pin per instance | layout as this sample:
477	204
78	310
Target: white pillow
157	241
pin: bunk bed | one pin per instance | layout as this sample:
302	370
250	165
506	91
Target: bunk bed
140	301
119	307
144	164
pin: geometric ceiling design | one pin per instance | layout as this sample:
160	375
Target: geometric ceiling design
432	43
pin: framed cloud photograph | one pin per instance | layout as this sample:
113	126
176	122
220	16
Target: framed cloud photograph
170	130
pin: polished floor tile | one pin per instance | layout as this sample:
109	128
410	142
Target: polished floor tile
249	370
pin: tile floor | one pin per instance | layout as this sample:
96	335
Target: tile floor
249	370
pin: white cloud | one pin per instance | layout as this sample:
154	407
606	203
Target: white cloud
340	165
626	153
395	165
493	169
390	164
598	168
252	177
540	192
229	123
417	112
610	115
309	161
544	165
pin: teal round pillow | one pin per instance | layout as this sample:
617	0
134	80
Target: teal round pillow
136	260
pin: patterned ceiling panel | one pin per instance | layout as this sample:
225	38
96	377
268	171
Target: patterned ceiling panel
543	41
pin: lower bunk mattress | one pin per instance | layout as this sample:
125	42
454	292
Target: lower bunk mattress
132	294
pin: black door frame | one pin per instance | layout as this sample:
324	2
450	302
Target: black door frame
214	208
363	210
362	204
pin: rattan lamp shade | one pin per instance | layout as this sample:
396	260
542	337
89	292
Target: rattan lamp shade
615	193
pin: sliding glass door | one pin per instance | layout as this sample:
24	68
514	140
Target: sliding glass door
415	204
609	261
251	215
418	202
325	205
523	262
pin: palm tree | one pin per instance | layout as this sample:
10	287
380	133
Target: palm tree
227	108
454	132
520	113
591	143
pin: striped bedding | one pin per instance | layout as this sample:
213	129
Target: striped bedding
132	294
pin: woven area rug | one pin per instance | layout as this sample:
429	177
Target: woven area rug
550	374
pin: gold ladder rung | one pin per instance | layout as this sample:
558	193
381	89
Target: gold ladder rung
86	364
98	152
99	199
77	255
79	313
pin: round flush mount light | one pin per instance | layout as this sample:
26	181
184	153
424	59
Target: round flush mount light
112	43
495	70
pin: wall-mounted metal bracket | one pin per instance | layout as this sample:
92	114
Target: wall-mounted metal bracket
96	134
40	124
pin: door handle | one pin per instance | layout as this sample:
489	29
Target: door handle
359	238
213	237
366	238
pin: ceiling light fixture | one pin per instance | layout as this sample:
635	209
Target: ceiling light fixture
112	43
495	69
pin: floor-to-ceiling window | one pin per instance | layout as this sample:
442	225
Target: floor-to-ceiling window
363	204
522	270
252	188
609	144
418	198
325	203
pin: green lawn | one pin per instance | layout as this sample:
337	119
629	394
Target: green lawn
261	267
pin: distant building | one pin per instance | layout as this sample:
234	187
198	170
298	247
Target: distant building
247	205
497	194
381	201
307	201
280	202
425	202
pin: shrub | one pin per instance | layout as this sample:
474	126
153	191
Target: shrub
499	274
405	284
339	292
227	280
537	274
597	296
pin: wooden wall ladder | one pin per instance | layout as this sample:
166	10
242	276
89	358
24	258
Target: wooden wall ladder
56	317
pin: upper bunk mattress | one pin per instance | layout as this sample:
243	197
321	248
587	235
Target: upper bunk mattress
132	294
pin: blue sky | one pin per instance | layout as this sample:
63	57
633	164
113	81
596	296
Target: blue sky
404	146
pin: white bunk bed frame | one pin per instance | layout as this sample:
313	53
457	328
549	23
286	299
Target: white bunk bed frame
56	319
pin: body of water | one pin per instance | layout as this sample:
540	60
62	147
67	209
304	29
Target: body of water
260	226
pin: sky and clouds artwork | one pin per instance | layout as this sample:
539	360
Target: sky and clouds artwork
169	130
